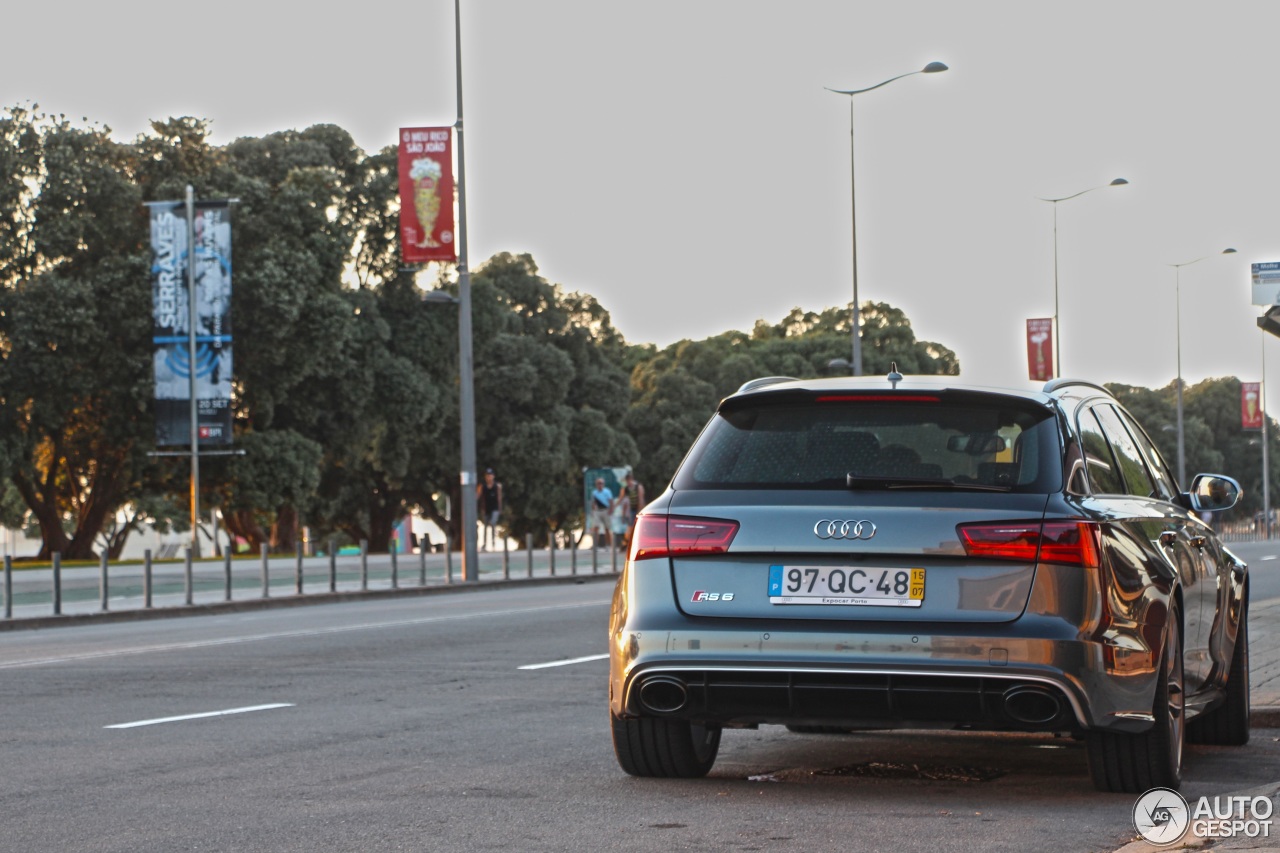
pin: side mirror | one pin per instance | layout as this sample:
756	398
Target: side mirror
1214	493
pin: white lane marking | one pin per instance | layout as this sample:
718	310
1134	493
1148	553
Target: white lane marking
284	635
1270	557
563	662
134	725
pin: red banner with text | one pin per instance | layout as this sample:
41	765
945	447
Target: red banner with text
1251	405
426	195
1040	349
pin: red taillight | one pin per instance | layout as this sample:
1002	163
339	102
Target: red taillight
1074	543
649	539
659	535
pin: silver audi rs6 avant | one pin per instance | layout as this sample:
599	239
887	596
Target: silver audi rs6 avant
843	554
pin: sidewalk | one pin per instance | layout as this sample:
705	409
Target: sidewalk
1264	662
1264	688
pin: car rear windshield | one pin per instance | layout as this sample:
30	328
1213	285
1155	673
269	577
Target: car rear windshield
978	441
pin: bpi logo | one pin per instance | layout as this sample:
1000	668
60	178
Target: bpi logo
703	595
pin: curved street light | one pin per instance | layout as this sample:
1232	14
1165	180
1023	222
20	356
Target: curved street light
931	68
1057	332
1177	298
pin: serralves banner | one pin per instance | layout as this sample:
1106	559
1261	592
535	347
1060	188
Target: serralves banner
171	324
1251	405
1040	349
426	195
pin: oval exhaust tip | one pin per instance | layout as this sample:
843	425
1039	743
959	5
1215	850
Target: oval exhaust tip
1032	705
662	695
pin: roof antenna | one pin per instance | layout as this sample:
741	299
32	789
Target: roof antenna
894	376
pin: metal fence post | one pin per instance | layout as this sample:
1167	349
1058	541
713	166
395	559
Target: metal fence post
551	551
8	587
297	566
528	550
422	563
333	564
395	566
186	575
613	558
448	558
595	556
266	573
226	572
102	579
57	583
573	554
364	563
146	579
506	560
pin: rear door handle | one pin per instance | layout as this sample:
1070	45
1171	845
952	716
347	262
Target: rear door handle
1168	537
1198	541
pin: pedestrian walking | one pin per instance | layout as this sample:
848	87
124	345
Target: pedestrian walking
631	497
489	498
601	508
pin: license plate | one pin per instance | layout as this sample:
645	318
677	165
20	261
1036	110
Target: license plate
838	585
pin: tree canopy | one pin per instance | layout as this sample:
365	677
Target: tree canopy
345	392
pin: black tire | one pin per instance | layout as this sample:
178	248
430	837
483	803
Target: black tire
1228	724
1134	763
651	746
819	730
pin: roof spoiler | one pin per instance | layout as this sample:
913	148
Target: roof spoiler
764	381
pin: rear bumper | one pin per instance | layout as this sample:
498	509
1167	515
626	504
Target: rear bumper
802	695
1039	672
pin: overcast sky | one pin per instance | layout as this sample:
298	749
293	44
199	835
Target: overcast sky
680	159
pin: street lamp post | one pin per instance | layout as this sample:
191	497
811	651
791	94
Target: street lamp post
1266	473
466	377
1057	331
1177	300
931	68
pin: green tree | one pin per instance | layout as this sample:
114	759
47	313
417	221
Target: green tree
73	327
676	390
1219	445
300	335
552	395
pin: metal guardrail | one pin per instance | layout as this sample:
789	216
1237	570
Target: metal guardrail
152	584
1244	531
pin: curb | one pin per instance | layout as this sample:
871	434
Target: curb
294	600
1270	790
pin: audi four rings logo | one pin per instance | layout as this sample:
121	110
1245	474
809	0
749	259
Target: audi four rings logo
839	528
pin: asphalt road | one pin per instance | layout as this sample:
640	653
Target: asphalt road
407	724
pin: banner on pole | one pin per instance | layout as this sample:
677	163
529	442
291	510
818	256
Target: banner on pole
426	195
1040	349
171	324
1251	405
1266	283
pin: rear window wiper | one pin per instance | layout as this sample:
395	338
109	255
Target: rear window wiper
860	481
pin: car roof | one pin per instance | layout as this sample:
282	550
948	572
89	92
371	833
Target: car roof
879	383
1042	393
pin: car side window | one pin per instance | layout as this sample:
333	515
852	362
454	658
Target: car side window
1132	466
1167	486
1100	464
